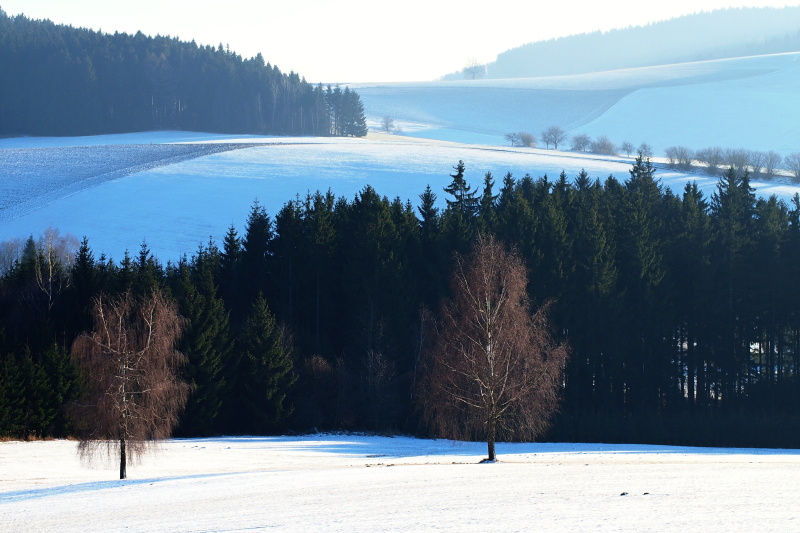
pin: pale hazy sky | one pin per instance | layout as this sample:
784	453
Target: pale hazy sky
341	41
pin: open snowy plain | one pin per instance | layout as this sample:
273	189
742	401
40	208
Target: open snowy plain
359	483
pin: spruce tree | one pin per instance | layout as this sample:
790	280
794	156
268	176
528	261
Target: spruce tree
732	208
267	359
206	344
487	212
255	256
459	220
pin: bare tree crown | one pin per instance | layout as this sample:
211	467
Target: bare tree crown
492	370
134	393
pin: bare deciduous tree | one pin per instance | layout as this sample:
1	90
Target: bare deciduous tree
492	369
757	159
10	253
131	369
627	147
792	164
772	161
387	124
603	145
679	156
473	69
527	139
553	135
521	138
713	157
738	159
55	254
581	142
645	150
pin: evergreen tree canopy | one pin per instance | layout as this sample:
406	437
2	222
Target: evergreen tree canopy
121	83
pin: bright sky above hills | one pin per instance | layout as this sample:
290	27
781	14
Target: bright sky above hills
347	41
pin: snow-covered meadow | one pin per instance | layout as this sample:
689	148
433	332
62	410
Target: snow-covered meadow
175	190
365	483
748	102
174	206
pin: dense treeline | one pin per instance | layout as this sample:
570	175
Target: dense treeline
682	311
60	80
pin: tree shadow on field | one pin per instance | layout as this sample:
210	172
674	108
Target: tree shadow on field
35	494
346	445
399	447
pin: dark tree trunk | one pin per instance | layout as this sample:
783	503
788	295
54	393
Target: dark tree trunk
123	460
490	435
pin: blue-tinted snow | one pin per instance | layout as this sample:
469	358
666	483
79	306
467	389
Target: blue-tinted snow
120	190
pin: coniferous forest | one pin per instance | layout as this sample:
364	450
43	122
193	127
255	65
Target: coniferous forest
58	80
681	311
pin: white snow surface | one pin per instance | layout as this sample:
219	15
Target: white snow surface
96	186
748	102
374	484
175	190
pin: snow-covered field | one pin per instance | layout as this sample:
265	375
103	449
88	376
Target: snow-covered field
359	483
749	102
122	190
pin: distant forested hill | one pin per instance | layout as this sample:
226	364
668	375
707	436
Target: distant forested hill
60	80
702	36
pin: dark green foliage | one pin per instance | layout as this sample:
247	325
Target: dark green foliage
205	342
682	312
266	370
33	393
255	255
120	83
459	223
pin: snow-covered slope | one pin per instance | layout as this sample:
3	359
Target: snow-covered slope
176	206
750	103
356	483
122	190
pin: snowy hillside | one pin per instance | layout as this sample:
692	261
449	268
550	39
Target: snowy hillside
122	190
717	34
750	103
97	190
357	483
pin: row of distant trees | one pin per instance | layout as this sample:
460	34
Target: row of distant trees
681	311
554	137
60	80
714	159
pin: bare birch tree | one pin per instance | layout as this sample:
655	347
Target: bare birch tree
134	394
54	256
492	370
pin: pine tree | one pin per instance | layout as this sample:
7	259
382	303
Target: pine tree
641	265
267	357
488	203
732	208
206	344
691	260
459	220
464	202
255	255
432	261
